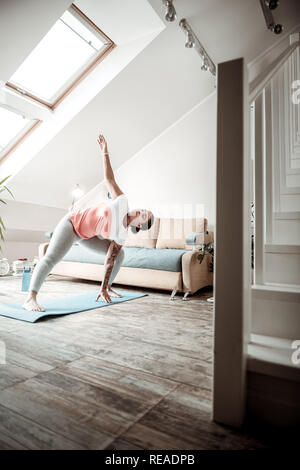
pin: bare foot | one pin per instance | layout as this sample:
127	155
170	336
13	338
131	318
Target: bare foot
32	305
113	293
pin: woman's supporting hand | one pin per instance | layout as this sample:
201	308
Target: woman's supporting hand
102	143
103	293
113	293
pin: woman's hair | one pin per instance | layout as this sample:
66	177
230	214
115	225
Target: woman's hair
144	226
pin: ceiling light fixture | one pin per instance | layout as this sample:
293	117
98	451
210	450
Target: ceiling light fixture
193	41
272	4
170	14
267	7
77	192
190	40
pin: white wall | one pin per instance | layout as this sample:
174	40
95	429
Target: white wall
35	217
175	174
13	250
25	227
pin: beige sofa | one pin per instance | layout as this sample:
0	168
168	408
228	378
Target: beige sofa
164	257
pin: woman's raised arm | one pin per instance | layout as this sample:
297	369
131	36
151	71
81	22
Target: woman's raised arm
109	176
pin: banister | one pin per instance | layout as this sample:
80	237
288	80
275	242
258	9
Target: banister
259	83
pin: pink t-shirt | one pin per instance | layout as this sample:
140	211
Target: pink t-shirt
93	221
104	219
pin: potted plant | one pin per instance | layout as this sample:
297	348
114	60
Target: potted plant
2	189
208	249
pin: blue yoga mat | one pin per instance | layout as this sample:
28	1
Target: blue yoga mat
64	306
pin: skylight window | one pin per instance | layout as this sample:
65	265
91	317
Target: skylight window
13	128
72	47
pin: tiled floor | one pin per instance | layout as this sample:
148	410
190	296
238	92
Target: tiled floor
137	375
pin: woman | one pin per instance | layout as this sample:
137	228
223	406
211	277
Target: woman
101	228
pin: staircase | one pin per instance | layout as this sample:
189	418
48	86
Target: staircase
276	287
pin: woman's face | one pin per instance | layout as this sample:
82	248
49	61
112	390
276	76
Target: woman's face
142	217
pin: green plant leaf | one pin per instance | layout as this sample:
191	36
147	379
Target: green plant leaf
3	181
7	189
201	257
207	249
4	202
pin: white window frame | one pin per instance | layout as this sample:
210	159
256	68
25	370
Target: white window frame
21	135
86	69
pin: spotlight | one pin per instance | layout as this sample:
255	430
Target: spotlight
205	65
170	14
190	41
193	42
272	4
267	6
277	28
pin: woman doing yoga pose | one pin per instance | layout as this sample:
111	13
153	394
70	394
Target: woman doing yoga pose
101	228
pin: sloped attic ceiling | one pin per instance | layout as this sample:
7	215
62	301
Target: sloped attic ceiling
158	86
116	19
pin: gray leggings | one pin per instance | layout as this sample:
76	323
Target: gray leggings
61	241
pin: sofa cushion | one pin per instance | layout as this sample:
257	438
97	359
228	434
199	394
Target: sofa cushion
173	232
198	239
144	238
149	258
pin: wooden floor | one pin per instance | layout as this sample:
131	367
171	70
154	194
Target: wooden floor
137	375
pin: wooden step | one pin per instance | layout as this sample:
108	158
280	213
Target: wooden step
276	310
287	227
273	382
282	263
272	356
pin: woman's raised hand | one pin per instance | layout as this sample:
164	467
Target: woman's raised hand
102	142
